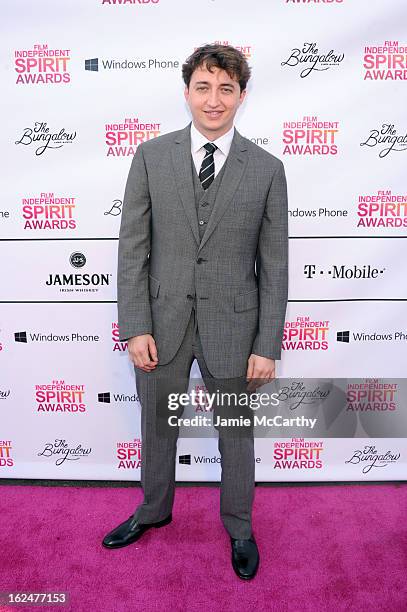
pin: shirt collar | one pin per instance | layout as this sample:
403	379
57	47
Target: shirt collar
223	142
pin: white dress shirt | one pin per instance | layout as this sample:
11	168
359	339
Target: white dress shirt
198	152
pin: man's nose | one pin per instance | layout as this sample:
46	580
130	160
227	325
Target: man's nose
213	98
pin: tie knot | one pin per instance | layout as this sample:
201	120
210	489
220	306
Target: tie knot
210	147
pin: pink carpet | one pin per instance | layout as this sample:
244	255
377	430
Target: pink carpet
322	548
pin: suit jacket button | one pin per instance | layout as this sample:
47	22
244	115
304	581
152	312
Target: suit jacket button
190	297
200	260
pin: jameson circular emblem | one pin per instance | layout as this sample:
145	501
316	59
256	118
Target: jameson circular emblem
77	260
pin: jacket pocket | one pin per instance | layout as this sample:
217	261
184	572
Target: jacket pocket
154	286
245	301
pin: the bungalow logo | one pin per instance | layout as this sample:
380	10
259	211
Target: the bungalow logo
4	394
310	56
63	452
387	136
40	133
370	458
78	282
116	208
297	394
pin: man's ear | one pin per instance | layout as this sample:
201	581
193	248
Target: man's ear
242	95
186	92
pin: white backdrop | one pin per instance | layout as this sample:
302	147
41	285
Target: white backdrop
327	96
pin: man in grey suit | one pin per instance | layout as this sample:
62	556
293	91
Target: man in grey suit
202	273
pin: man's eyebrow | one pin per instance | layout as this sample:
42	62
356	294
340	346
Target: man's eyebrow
207	83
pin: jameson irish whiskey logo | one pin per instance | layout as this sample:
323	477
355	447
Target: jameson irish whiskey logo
79	282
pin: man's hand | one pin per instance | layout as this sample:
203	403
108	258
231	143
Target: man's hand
260	371
143	352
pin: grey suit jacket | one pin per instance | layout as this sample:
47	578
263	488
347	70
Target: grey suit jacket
238	271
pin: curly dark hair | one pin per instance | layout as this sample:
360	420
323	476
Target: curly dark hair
225	57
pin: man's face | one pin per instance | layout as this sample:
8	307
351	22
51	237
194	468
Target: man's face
213	98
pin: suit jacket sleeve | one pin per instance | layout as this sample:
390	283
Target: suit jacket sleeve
133	302
272	269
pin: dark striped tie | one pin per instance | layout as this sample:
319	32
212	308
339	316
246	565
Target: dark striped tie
207	171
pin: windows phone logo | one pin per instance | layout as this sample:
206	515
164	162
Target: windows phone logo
104	398
342	336
184	459
20	336
92	64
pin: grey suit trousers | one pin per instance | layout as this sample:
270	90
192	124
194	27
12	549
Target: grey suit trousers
158	454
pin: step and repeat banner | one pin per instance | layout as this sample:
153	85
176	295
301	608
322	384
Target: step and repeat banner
84	82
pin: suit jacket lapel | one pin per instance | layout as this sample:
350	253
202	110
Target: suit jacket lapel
181	160
235	166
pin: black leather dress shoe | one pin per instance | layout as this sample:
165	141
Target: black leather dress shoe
245	557
130	531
